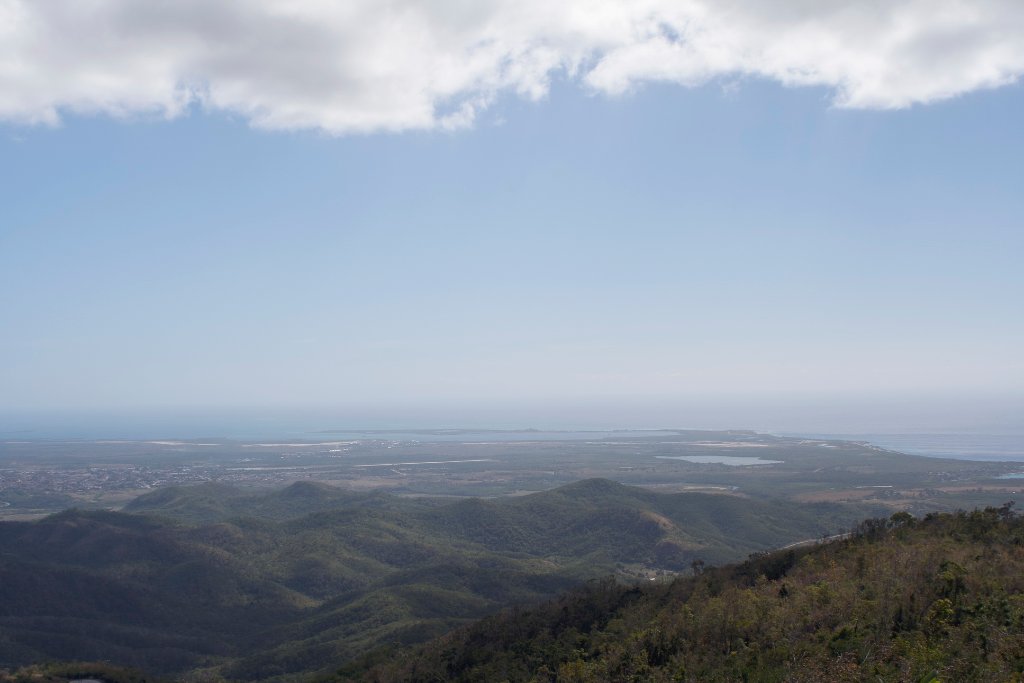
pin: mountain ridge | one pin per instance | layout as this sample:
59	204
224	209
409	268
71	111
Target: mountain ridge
267	585
929	600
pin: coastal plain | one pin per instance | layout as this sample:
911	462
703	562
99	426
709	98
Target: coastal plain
40	476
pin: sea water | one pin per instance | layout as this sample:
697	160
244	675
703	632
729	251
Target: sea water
958	446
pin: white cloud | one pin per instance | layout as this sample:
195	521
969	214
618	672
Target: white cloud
368	65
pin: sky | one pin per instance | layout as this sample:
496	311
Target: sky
650	213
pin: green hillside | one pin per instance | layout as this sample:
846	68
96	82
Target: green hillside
276	584
208	503
937	599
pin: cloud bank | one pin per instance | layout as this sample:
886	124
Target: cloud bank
369	65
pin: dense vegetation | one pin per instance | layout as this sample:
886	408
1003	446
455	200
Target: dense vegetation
936	599
76	671
253	586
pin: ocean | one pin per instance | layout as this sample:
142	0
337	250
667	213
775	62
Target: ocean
959	446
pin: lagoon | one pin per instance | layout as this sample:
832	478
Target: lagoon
730	460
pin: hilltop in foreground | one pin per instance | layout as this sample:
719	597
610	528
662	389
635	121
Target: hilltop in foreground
937	599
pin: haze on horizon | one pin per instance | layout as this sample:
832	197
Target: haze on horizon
658	208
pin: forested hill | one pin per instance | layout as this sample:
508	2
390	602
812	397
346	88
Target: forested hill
279	584
936	599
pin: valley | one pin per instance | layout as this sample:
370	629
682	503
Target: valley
940	598
278	560
275	584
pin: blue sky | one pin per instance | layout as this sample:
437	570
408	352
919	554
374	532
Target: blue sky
731	239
